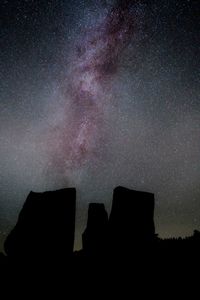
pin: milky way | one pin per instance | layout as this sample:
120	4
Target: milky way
88	85
96	94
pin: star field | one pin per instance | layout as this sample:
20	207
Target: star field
100	93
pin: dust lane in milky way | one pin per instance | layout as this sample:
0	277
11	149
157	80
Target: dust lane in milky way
88	85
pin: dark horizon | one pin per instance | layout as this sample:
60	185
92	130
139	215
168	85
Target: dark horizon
99	205
121	252
43	237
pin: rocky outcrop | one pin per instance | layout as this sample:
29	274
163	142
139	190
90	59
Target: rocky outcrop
45	227
95	234
132	217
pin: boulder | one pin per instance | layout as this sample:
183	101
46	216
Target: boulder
45	226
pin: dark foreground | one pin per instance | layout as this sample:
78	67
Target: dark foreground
121	256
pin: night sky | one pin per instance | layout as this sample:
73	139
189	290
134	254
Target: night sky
96	94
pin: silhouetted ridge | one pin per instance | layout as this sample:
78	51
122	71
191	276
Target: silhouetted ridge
44	236
94	236
45	226
132	217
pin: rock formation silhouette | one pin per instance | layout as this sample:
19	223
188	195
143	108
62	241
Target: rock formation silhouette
123	249
45	227
94	237
132	218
